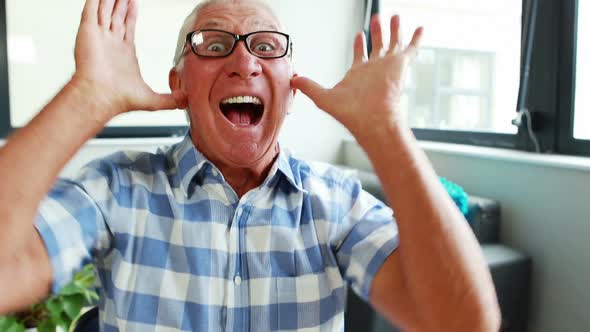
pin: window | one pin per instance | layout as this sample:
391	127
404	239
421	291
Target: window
466	76
439	95
36	44
573	128
481	61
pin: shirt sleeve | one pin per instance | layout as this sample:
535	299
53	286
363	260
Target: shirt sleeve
71	220
367	236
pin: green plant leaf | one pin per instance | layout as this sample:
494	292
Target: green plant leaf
46	326
73	304
10	324
90	297
73	288
59	310
65	322
55	306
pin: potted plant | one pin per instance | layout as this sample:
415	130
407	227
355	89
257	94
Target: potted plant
58	312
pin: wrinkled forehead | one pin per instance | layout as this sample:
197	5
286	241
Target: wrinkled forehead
242	17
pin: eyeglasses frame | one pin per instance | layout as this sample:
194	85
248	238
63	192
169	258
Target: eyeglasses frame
238	38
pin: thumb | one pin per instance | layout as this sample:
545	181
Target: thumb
167	101
312	89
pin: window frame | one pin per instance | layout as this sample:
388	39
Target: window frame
5	125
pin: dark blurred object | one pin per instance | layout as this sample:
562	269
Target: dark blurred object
88	322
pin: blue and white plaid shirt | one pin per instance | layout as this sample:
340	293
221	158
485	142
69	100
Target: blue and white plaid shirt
176	249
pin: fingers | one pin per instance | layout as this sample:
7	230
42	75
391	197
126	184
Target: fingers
118	18
376	36
105	12
131	21
310	88
90	11
412	49
360	49
395	37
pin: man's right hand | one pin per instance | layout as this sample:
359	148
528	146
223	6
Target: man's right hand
107	82
106	62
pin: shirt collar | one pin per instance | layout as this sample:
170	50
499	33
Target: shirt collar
189	162
289	167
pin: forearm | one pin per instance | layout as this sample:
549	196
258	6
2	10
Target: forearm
442	263
33	156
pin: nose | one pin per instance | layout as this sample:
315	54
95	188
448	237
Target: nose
242	64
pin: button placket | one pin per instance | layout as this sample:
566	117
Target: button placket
238	216
240	222
233	271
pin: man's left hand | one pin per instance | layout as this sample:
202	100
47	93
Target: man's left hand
368	96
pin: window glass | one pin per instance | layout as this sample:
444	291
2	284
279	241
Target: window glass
582	105
467	73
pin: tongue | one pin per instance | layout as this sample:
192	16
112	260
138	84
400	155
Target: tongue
239	117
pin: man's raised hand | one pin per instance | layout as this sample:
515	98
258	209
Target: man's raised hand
369	94
106	59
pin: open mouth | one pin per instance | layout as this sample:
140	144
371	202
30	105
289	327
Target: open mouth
242	110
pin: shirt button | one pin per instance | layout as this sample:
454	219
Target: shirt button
238	280
214	172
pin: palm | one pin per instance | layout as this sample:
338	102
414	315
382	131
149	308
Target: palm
105	56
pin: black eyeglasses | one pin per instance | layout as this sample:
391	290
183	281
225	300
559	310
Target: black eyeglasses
219	43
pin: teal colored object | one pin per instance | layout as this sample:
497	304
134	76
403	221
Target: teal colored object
458	195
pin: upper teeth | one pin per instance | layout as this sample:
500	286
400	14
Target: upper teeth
241	100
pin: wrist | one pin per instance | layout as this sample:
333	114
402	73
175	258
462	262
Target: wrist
383	133
96	96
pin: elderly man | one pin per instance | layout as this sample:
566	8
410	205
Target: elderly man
226	230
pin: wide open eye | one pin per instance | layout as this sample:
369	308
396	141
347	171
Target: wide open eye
212	43
264	48
268	44
217	48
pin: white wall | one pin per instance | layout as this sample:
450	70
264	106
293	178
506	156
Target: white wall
323	33
546	213
545	206
41	59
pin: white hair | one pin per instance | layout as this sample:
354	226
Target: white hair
191	19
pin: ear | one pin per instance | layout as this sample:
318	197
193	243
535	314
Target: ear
175	84
174	80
